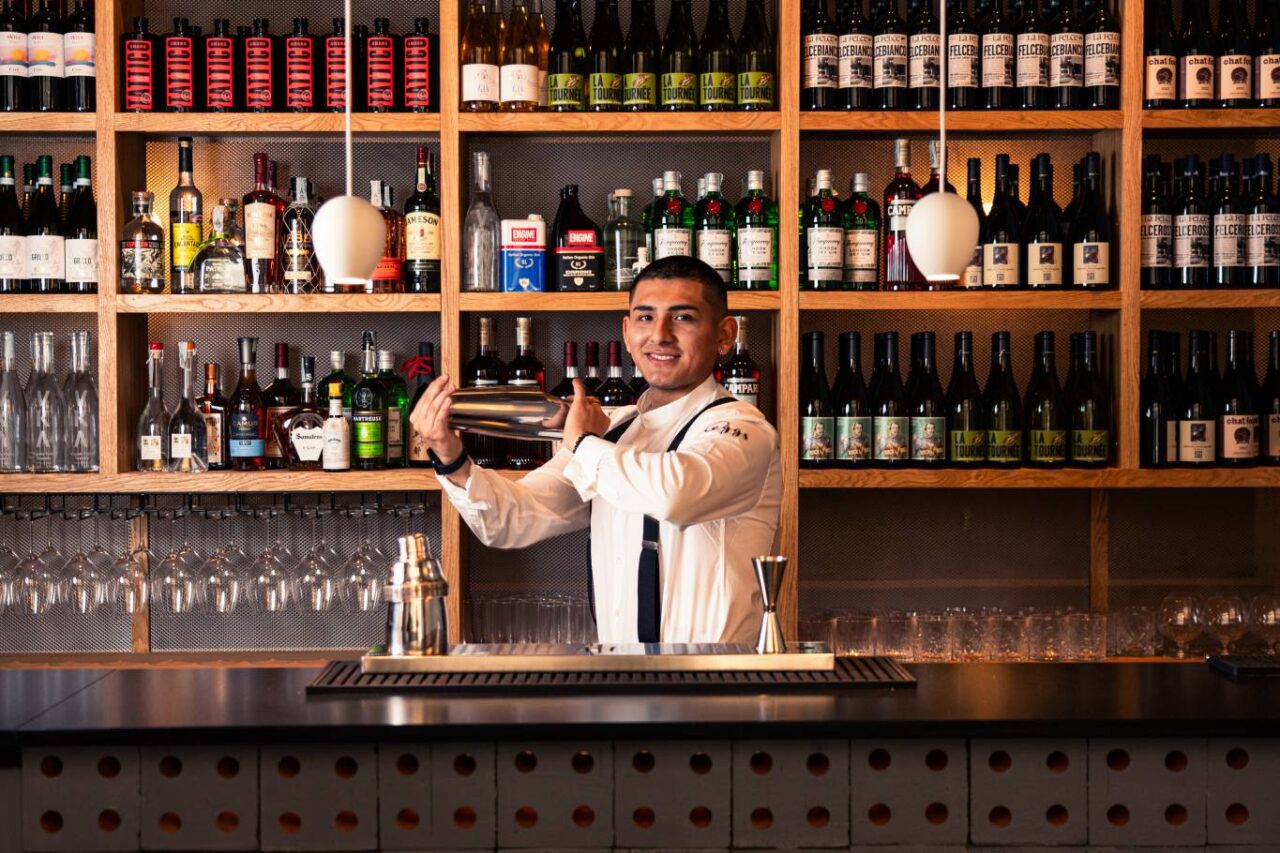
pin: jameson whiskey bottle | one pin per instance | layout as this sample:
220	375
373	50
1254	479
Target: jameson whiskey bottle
567	71
679	63
716	56
640	60
422	230
604	86
756	262
755	60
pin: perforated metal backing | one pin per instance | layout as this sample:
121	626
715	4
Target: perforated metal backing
281	15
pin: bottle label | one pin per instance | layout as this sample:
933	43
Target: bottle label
380	72
972	275
1240	436
299	73
213	437
219	73
139	261
13	256
1273	436
680	89
1091	264
44	55
755	254
746	390
889	54
580	269
184	238
825	261
1157	240
1102	59
387	269
1033	59
13	57
138	81
259	231
715	249
565	90
967	446
46	256
1000	264
855	61
369	429
274	415
755	88
1235	71
180	445
1191	240
417	74
1196	442
821	61
395	430
816	435
1162	77
997	60
1263	244
1197	77
861	255
671	241
1004	445
337	449
1090	445
1044	264
853	439
1066	60
298	253
519	84
715	89
80	52
891	436
335	73
480	83
1048	445
245	441
82	260
422	236
308	442
963	50
1267	76
179	73
150	448
1230	231
897	212
924	61
929	439
259	66
639	90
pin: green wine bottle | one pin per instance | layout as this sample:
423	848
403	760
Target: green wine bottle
604	86
718	55
679	62
567	61
755	62
640	60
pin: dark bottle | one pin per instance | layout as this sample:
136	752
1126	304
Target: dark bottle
1158	426
817	413
1262	245
1069	212
1266	56
417	58
302	68
564	389
422	368
891	422
1015	192
678	86
1001	235
1042	232
567	69
924	59
1047	419
223	69
359	69
889	55
13	44
820	58
212	407
263	210
80	233
1229	225
604	56
755	63
964	58
526	371
1090	402
46	248
1197	57
422	230
997	60
1091	231
640	60
79	49
614	392
13	232
900	196
717	55
971	278
1192	237
46	67
1066	59
335	71
638	383
264	70
1102	59
861	237
1031	66
854	427
1269	405
369	413
1156	232
926	404
1238	415
180	68
381	68
591	378
579	246
279	398
246	415
1160	86
1198	421
485	370
855	73
1003	407
966	411
1235	56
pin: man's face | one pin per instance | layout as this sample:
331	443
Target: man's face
672	334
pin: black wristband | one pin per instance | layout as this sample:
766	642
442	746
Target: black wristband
444	470
585	435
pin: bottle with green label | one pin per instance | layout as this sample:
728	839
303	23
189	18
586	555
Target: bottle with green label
926	404
891	424
567	60
186	217
369	413
717	56
678	85
1090	403
757	87
1003	407
966	421
640	59
817	422
1047	419
852	410
604	86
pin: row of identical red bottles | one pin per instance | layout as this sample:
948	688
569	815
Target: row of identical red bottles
252	70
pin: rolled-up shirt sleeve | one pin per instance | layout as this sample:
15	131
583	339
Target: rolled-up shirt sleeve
506	513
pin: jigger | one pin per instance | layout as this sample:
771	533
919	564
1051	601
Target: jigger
769	571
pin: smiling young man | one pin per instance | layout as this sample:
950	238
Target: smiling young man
679	491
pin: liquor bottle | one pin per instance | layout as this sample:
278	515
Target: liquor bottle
28	187
591	378
335	68
861	237
213	411
820	78
604	55
614	393
302	69
966	422
80	57
1235	56
1196	58
817	412
1031	66
518	76
278	398
141	247
381	57
678	62
853	425
1229	225
1042	233
739	373
223	71
1090	403
855	75
1102	59
1157	228
640	55
564	389
926	404
756	251
924	59
713	229
623	240
1047	419
180	68
1262	243
388	275
186	437
417	58
1066	59
246	413
485	370
263	70
649	212
579	249
13	409
302	272
1001	235
672	221
337	375
567	71
300	431
480	231
1158	428
46	249
971	278
336	455
997	60
186	215
1238	416
717	55
397	399
13	47
889	53
1091	231
80	420
219	265
1266	57
423	369
46	84
153	423
964	49
80	233
1269	405
369	413
1198	421
891	423
422	230
935	171
822	238
757	78
1191	229
1161	48
900	196
263	210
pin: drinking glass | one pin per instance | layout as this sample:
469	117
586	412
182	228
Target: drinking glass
316	588
1225	619
130	588
1046	636
9	560
936	635
1085	636
1133	632
1264	619
38	589
853	634
896	635
972	639
177	585
1007	634
1181	621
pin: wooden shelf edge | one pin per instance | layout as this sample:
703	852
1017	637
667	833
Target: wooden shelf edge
265	123
48	122
957	300
1209	119
1210	298
597	301
982	121
277	303
621	122
48	303
223	482
1030	478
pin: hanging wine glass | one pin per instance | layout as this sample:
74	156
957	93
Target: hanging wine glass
317	587
223	584
186	550
268	581
38	588
129	583
99	555
9	560
51	557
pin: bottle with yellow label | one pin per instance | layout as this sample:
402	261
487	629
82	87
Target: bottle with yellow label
186	218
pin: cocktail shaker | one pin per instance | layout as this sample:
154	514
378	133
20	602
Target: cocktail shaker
417	622
507	411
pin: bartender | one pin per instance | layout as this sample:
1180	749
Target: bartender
680	491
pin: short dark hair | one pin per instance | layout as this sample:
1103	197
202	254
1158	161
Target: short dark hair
691	269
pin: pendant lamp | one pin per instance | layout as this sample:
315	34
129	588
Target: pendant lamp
942	229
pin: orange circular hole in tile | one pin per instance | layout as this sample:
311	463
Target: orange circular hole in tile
346	821
879	759
643	817
879	814
51	766
761	763
761	818
584	816
464	817
227	822
346	767
1175	814
1118	815
936	760
643	761
1237	814
289	767
1000	817
1118	760
1057	762
1237	758
170	823
818	817
407	819
582	762
108	767
108	820
51	822
700	816
1057	815
170	766
1176	761
289	822
464	765
700	763
526	761
936	813
818	764
407	765
228	767
1000	761
526	817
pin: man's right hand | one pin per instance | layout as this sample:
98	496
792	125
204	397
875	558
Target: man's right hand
430	419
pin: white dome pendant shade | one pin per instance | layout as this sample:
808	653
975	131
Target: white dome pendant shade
349	235
942	231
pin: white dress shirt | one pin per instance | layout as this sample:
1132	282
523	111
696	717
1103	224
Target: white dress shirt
716	499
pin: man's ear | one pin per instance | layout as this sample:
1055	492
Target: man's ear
728	334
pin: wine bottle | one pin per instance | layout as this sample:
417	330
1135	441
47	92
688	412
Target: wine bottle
45	62
1235	56
1191	229
263	70
1161	47
381	50
1269	404
673	220
1066	59
964	50
891	423
924	59
1158	427
604	85
900	196
861	237
640	60
713	229
679	61
1091	231
14	71
854	427
1229	225
855	75
820	80
889	54
301	69
80	55
614	393
46	249
717	54
422	230
418	58
757	78
966	410
1042	232
1090	402
591	378
80	233
564	389
1262	245
926	404
1001	235
971	278
1031	51
739	374
997	60
1197	425
480	59
1238	415
1266	57
579	249
263	210
756	219
246	414
1197	57
822	238
1157	228
1102	59
817	414
1047	419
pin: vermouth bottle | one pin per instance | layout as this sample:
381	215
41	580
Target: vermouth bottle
926	404
1262	248
678	86
964	48
757	86
1161	60
369	413
855	76
900	196
1042	232
966	412
889	53
246	413
567	73
397	409
1090	402
1156	269
80	394
820	47
1047	419
1198	418
854	426
13	409
817	414
79	50
640	59
186	218
46	248
186	435
153	423
1196	58
822	238
81	233
713	229
213	410
13	50
739	374
672	221
422	230
223	69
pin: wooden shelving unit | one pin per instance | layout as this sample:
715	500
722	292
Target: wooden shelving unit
1031	478
48	123
1194	299
1210	119
757	123
956	300
52	303
222	482
1003	122
259	124
276	303
495	302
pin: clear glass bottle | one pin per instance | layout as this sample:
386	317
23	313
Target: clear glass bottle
219	265
142	249
80	394
13	410
46	450
235	233
480	231
187	438
153	423
623	237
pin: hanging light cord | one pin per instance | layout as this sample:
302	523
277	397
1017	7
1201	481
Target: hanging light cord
346	66
942	98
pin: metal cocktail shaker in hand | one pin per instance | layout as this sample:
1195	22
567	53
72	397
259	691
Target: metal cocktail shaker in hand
417	623
508	412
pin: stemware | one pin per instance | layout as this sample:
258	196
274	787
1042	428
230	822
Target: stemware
1181	621
130	586
1225	619
1264	619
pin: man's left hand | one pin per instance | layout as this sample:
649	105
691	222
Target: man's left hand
585	416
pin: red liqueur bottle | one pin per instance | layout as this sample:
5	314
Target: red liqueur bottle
223	71
263	210
301	61
417	53
900	272
180	68
143	68
335	70
380	60
263	67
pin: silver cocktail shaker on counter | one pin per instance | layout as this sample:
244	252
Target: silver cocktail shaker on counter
508	411
417	622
